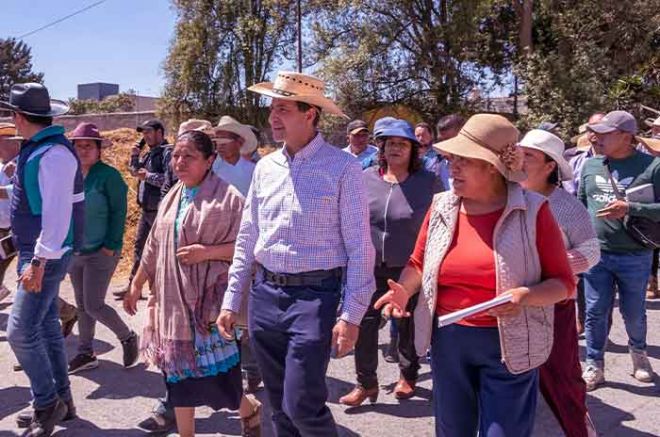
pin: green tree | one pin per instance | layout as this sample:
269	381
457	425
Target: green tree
15	65
427	55
220	48
596	55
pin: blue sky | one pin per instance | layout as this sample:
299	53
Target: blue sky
119	41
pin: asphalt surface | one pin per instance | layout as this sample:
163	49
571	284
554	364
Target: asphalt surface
111	400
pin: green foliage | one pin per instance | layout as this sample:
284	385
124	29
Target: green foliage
426	55
592	55
122	102
15	65
220	48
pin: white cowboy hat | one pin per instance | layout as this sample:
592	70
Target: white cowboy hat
229	124
298	87
552	146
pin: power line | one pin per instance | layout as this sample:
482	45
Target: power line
59	20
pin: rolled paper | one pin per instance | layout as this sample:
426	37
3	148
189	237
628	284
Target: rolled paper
457	316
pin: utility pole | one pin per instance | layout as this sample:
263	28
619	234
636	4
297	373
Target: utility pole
299	25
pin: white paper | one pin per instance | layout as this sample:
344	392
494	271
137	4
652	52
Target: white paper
457	316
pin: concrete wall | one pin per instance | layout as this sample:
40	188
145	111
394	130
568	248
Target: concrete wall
108	121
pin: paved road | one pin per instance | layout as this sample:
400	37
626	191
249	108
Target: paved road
110	399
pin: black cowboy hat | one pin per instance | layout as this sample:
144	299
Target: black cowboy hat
33	99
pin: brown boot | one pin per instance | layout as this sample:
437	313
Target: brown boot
358	395
404	389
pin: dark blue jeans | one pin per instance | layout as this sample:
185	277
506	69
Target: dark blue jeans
291	331
35	335
472	389
630	272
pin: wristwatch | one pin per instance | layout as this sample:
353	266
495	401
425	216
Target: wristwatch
36	262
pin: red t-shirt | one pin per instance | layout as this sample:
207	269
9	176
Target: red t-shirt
467	273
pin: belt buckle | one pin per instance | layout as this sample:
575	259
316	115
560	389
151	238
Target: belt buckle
279	280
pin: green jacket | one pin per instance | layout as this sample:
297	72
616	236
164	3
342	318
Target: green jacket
105	208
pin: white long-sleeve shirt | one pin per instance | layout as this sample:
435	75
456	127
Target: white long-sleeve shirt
57	171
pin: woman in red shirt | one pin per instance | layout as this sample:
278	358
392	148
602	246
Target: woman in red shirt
485	238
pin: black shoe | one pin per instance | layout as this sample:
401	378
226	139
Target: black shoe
25	417
82	362
157	424
44	420
130	346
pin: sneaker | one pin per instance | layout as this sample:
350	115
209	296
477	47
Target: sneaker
44	420
642	370
4	292
25	417
131	350
593	376
157	424
82	362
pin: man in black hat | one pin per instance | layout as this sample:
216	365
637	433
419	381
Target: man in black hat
47	216
151	170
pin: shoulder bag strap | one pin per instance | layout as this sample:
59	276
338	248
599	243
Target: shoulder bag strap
617	193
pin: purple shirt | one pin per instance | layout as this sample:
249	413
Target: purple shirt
303	213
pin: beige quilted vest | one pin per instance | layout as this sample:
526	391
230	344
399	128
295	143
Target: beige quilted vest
525	339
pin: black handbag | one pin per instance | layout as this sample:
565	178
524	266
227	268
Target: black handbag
642	229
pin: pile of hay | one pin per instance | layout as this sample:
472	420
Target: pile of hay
118	156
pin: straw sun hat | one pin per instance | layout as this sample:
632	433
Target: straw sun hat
229	124
491	138
298	87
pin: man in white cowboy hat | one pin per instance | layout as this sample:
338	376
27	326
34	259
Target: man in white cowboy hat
624	261
233	139
306	229
47	217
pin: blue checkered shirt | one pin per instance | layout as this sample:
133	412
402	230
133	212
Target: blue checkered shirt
303	213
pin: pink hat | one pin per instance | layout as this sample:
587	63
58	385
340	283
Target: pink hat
89	131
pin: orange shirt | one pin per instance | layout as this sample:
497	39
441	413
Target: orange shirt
467	273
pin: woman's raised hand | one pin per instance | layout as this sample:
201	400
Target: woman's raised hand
394	302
